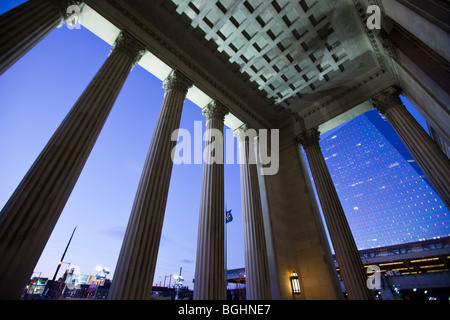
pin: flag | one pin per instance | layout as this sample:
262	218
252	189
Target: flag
228	216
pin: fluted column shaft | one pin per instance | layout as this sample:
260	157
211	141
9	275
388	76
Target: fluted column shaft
210	276
31	213
347	255
137	260
257	280
24	26
431	160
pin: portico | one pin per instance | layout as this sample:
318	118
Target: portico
300	67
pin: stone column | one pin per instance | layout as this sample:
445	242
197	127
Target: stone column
210	281
135	269
256	262
433	162
31	213
347	254
24	26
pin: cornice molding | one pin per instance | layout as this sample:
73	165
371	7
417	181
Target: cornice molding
215	111
372	34
130	46
387	99
309	138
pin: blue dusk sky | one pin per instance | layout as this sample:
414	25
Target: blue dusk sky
37	93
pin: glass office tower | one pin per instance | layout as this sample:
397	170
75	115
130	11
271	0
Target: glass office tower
385	195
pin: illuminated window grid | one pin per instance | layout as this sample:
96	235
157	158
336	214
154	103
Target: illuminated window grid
394	204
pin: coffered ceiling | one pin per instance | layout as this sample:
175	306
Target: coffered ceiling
289	48
270	60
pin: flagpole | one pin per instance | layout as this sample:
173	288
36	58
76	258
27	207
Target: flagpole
64	254
51	288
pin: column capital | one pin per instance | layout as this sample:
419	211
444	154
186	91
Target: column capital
129	45
64	5
242	132
309	138
177	81
215	110
387	99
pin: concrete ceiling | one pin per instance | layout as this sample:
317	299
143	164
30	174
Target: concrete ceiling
290	49
270	61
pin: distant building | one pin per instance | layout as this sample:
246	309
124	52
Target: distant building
386	197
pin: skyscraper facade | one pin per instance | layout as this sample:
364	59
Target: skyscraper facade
386	197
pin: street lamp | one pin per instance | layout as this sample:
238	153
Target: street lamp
295	284
178	283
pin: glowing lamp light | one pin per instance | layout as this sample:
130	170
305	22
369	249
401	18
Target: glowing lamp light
295	284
